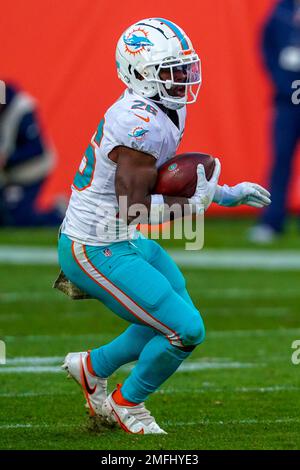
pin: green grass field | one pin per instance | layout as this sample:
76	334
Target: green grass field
239	390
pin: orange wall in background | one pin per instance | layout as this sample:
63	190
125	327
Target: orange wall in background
62	52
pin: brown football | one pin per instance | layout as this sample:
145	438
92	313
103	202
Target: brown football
178	176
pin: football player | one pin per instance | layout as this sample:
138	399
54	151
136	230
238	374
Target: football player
103	254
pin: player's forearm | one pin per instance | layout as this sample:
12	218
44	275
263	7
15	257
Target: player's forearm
167	208
218	194
154	209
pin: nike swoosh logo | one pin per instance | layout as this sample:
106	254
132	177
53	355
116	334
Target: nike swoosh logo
90	390
147	119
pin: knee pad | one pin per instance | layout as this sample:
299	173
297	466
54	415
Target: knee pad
194	332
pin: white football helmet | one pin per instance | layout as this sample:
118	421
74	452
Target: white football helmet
156	59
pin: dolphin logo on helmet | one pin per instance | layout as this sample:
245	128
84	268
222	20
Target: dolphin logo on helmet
137	41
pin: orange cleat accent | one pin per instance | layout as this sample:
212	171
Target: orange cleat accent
119	399
89	365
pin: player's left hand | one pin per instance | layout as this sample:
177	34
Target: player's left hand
250	194
205	189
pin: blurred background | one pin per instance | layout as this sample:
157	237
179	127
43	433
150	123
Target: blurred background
62	54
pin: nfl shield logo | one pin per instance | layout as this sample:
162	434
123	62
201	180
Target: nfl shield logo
107	252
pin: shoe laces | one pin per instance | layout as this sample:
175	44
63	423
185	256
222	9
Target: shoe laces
141	413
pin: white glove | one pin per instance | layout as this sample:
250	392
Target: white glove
250	194
205	190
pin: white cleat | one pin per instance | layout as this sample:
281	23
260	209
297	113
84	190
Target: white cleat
132	419
94	388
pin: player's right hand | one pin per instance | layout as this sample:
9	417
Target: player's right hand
205	190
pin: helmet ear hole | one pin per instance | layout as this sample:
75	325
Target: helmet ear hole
138	76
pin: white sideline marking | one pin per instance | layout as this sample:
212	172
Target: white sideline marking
224	293
168	391
36	338
233	422
36	360
12	297
33	426
270	389
207	258
33	365
212	334
253	333
30	370
14	254
238	259
34	394
48	360
241	293
205	422
202	365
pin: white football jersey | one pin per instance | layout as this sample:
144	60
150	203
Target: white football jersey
135	122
